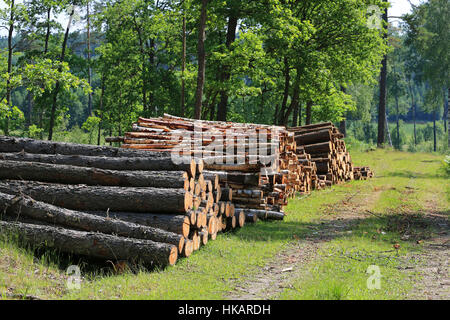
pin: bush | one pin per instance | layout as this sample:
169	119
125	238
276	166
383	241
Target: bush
446	165
34	132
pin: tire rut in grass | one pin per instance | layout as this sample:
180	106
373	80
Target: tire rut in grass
292	261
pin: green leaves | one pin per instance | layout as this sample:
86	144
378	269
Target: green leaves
43	75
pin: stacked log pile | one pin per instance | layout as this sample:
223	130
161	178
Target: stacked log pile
136	203
326	149
240	161
362	173
109	203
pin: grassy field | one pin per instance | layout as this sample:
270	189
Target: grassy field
322	250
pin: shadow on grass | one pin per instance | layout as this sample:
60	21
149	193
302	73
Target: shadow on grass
410	174
412	226
415	225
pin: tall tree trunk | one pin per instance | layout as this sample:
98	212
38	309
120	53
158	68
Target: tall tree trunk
101	109
398	122
299	114
275	115
201	61
387	129
287	80
413	109
295	97
88	33
10	51
47	37
414	120
309	104
434	131
183	67
144	67
382	101
152	48
295	116
30	109
57	87
47	34
231	36
444	118
343	127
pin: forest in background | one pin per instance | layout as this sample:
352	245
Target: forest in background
273	61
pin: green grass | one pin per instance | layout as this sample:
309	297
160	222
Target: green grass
404	186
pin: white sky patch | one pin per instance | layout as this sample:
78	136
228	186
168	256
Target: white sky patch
398	8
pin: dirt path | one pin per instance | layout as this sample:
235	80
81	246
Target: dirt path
290	262
433	264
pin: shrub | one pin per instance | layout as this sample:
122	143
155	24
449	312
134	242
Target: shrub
446	165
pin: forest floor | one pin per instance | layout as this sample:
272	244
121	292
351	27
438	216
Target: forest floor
385	238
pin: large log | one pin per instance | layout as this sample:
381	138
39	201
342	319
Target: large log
108	163
13	144
18	206
92	198
93	244
179	224
58	173
322	147
313	137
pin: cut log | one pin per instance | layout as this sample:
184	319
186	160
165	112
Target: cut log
93	244
322	147
249	179
47	172
240	218
179	224
25	206
13	144
108	163
94	198
313	137
250	217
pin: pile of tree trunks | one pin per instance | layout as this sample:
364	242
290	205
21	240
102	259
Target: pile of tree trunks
110	203
321	146
362	173
256	164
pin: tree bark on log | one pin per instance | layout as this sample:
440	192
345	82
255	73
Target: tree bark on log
263	214
178	224
13	144
93	198
313	137
47	172
25	206
106	162
322	147
98	245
